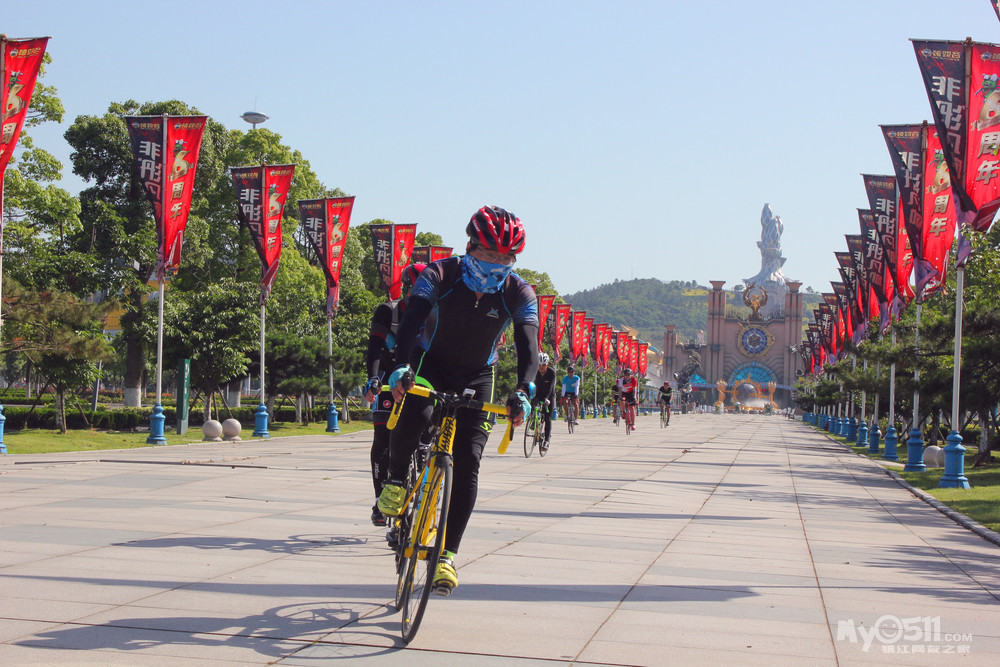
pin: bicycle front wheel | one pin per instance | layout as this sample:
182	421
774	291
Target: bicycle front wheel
425	545
530	431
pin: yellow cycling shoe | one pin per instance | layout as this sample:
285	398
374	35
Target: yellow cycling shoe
391	500
445	577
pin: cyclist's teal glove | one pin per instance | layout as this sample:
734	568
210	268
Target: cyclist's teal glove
402	375
518	403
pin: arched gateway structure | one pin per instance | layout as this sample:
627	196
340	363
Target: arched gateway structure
757	343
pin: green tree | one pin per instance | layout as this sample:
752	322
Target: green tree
60	334
215	330
118	226
296	366
41	220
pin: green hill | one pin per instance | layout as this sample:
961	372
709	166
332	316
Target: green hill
647	304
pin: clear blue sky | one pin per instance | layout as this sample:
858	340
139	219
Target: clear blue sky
634	139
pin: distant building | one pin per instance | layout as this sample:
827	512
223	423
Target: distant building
747	350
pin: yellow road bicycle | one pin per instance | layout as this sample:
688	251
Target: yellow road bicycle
422	524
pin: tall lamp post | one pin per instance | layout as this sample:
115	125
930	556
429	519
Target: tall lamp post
255	118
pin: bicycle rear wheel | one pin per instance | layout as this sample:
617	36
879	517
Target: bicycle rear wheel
570	417
530	430
425	545
539	437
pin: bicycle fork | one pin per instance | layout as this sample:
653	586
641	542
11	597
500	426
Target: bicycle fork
425	535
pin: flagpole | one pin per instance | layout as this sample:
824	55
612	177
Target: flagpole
915	444
891	437
156	419
954	452
331	415
261	416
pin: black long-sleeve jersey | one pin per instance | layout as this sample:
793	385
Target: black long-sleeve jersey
462	330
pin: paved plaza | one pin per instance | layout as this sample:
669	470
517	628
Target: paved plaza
729	539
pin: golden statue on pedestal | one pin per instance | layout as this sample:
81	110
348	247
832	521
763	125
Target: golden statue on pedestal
756	301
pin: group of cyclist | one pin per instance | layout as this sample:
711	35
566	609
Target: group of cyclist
444	333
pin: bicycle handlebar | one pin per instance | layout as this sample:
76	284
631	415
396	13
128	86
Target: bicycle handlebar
460	401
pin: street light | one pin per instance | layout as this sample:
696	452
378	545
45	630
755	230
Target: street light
255	118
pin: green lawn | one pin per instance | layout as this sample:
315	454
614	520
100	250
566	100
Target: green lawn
39	441
981	503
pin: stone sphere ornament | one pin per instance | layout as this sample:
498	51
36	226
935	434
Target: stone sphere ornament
934	456
231	430
212	429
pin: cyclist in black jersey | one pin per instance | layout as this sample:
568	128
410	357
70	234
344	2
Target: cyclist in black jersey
545	395
380	362
463	304
665	397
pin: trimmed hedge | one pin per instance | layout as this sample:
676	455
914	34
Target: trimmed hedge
132	419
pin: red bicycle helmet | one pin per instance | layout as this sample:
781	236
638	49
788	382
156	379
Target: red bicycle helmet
495	229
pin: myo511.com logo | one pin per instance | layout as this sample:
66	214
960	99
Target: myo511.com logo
918	634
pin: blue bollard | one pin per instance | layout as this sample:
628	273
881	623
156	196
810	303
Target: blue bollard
874	438
891	440
156	420
852	429
260	423
915	453
3	446
954	464
836	426
331	419
862	434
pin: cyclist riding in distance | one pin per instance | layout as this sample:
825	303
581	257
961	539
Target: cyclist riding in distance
545	395
666	395
627	386
379	362
463	305
571	390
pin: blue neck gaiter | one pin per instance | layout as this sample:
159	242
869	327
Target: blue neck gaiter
480	276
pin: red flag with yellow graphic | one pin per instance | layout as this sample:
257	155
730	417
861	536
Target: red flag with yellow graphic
393	248
326	223
562	321
166	149
545	303
260	196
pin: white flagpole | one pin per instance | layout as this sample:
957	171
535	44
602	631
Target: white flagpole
157	419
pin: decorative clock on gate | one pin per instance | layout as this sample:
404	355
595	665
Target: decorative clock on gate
755	340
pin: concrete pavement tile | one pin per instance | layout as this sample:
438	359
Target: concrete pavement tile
540	546
807	640
28	655
725	602
37	609
151	644
539	630
786	584
645	655
13	629
81	587
377	656
67	536
298	621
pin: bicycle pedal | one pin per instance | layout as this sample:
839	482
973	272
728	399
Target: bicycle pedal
442	589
